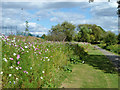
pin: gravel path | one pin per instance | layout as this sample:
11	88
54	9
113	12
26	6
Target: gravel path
115	59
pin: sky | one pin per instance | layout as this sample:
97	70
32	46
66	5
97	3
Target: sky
43	15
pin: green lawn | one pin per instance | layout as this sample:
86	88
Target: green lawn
97	72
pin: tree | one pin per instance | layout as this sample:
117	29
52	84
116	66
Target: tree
83	34
26	29
110	38
43	36
95	32
68	30
118	37
30	34
64	31
37	36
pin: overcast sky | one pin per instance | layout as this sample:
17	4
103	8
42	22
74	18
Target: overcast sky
43	15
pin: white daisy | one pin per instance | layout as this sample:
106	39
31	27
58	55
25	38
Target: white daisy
16	78
41	77
48	59
83	61
43	71
5	59
30	67
14	54
11	67
1	72
17	68
26	46
10	75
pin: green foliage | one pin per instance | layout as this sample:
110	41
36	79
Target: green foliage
110	38
114	48
26	26
67	68
26	29
68	29
79	53
43	36
62	32
118	37
37	36
90	33
29	34
83	34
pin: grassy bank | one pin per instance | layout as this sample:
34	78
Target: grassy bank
29	62
96	72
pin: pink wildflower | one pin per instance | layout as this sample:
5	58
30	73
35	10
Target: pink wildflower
11	58
24	71
36	49
39	52
24	40
18	56
21	47
20	67
18	62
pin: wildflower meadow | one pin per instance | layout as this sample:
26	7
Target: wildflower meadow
29	62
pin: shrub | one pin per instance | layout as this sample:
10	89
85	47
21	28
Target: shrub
79	53
110	38
114	48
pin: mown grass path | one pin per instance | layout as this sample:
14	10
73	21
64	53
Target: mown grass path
96	72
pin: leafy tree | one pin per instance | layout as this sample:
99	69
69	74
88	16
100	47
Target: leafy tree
92	38
118	37
84	33
26	29
64	31
43	36
29	34
37	36
110	38
95	32
68	30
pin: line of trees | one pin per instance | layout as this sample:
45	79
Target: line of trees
81	33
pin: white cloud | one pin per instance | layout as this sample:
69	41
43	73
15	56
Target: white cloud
38	33
65	16
103	14
54	0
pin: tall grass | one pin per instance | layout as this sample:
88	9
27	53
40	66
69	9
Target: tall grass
29	62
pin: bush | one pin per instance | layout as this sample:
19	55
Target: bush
114	48
110	38
79	53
